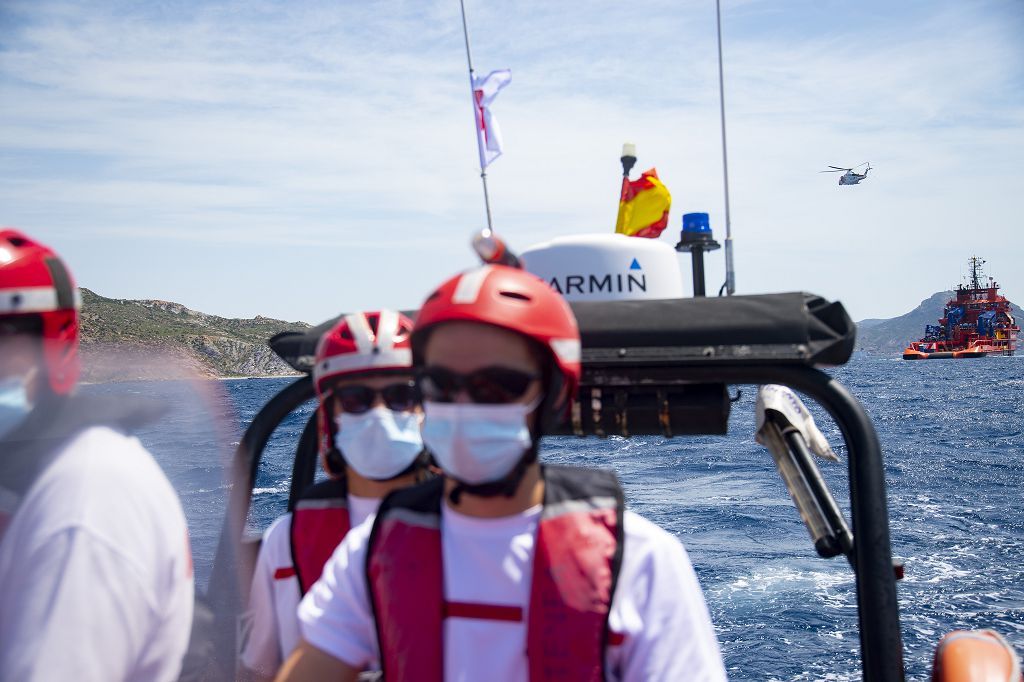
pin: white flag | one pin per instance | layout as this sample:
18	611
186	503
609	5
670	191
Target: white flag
488	135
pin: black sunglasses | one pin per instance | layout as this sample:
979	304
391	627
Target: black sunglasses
487	385
356	398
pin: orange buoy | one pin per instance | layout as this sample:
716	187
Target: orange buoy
975	656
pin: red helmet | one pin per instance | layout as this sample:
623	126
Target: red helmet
359	343
512	299
34	282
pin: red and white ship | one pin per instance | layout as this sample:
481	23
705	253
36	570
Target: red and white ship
976	323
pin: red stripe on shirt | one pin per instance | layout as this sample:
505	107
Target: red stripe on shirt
615	638
283	573
458	609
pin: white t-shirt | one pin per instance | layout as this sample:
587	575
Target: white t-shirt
95	569
658	604
274	596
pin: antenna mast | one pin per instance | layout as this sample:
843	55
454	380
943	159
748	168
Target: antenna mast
472	86
976	273
730	271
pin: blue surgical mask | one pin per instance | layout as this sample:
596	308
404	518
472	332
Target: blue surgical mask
379	443
14	404
477	443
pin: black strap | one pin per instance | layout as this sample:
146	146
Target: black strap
563	483
328	489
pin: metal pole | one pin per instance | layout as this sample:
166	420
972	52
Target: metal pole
472	95
730	272
697	258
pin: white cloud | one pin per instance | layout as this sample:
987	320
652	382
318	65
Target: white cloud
317	126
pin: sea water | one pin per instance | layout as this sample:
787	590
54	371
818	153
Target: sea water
952	434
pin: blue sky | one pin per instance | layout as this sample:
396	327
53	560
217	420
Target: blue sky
296	159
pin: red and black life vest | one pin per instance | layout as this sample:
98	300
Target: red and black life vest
577	556
320	521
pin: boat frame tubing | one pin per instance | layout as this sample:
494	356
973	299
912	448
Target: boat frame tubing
224	592
830	511
304	466
877	606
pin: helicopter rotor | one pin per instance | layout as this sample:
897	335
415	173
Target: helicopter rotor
840	169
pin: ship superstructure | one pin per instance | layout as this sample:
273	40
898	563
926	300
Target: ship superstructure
977	322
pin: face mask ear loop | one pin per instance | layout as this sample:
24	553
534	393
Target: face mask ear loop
531	455
513	480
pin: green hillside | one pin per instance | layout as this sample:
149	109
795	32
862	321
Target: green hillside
129	339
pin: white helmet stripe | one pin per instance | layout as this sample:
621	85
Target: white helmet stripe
396	358
28	300
387	329
468	288
567	350
361	332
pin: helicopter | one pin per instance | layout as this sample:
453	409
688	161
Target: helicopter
849	177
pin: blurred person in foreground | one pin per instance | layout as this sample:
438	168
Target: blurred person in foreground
368	421
504	569
95	567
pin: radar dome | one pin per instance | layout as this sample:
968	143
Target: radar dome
606	267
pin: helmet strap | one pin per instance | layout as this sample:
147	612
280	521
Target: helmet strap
334	462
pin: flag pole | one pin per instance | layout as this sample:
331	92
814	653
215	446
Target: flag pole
476	113
628	160
730	273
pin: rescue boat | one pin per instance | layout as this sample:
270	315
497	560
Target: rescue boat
976	322
656	362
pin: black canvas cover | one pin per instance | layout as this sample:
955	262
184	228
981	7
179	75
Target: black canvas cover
795	328
298	349
791	328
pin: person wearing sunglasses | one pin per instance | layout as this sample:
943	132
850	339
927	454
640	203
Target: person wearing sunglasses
368	420
504	569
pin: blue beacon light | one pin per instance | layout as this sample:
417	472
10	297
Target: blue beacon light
697	238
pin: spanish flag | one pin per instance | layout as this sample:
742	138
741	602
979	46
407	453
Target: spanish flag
643	206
